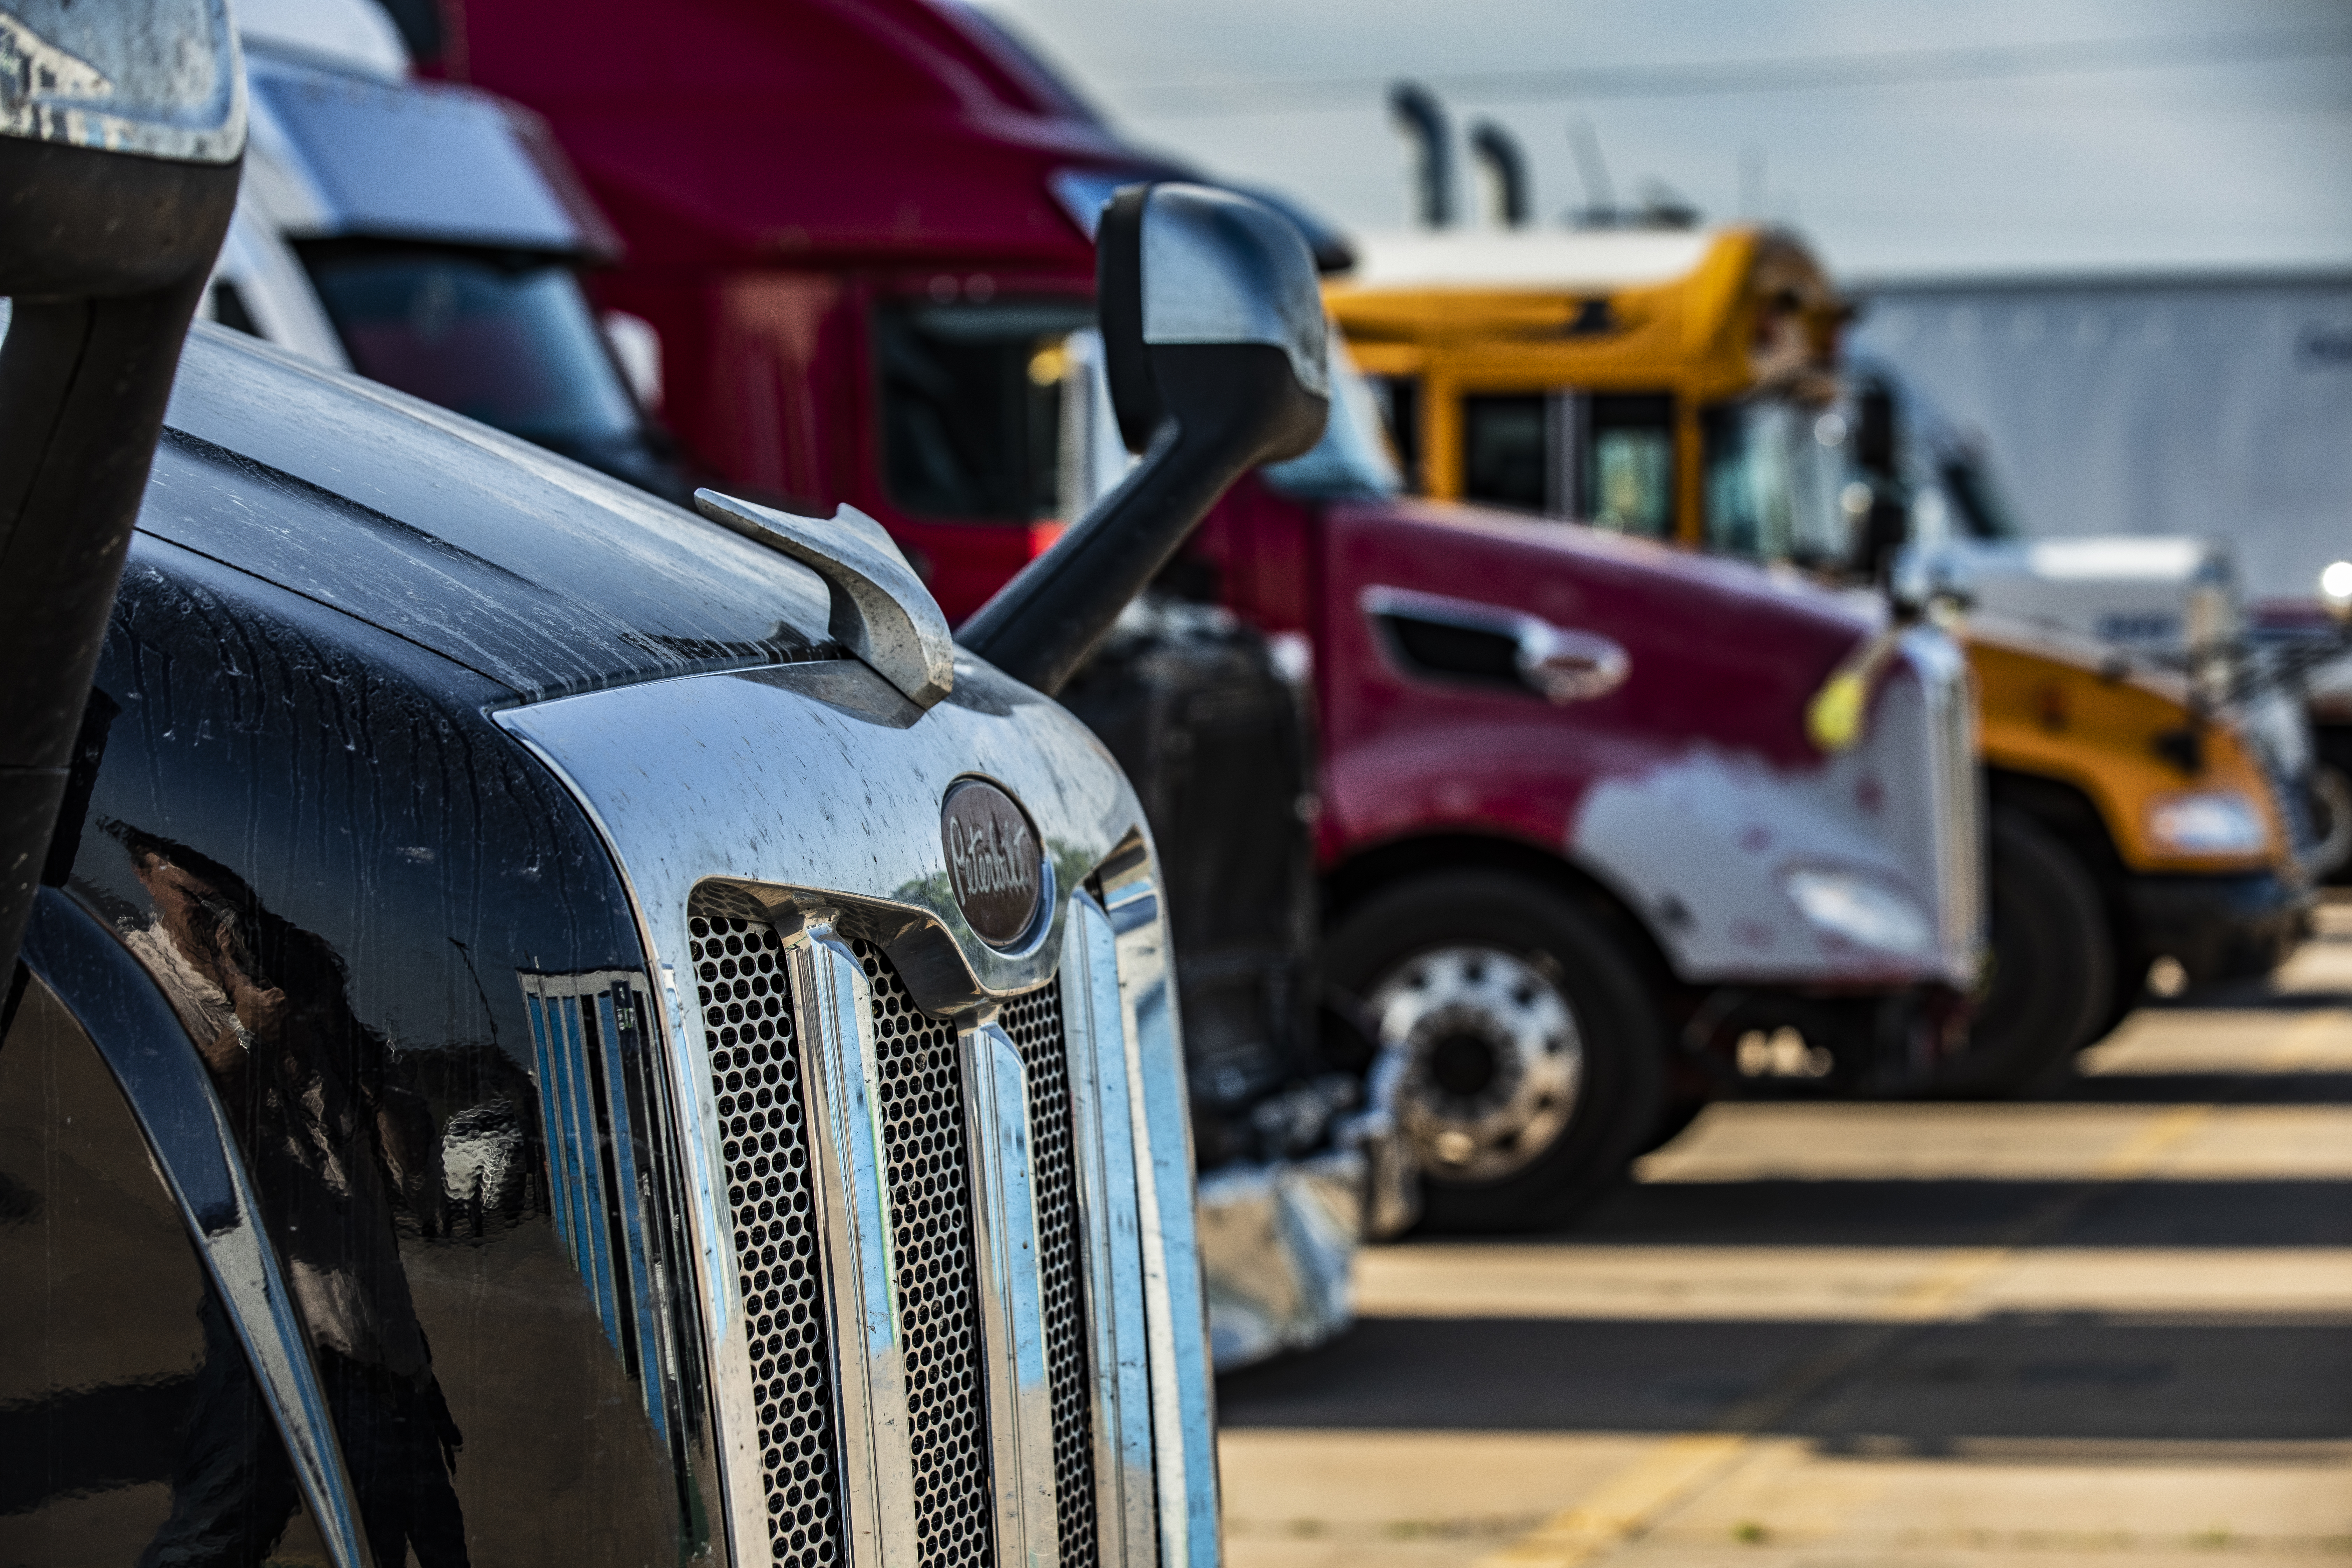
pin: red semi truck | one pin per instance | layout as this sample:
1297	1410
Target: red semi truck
1584	862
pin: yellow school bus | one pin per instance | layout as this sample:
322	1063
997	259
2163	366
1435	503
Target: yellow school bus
1687	387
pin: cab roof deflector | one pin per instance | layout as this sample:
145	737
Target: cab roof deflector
881	610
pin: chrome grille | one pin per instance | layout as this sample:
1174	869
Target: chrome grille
756	1090
1034	1023
2286	796
930	1186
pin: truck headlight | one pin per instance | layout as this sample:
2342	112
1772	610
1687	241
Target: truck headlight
1861	911
2214	822
2335	589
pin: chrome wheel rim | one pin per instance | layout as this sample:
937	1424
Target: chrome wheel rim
1483	1051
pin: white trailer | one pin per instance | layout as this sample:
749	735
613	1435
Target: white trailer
2168	409
2214	406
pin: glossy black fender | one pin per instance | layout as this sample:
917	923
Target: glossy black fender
411	973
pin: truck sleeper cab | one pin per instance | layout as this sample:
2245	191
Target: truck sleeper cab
624	1081
1686	386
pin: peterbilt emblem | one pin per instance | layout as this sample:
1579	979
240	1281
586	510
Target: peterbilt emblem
993	861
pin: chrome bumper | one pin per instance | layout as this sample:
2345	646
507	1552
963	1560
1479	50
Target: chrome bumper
1278	1240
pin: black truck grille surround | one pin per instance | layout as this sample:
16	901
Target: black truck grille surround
756	1087
938	1290
1034	1023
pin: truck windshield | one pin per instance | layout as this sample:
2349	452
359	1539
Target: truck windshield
999	413
1774	472
513	346
1353	460
1983	509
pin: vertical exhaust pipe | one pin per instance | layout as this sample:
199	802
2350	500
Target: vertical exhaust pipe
1417	115
1592	173
1503	170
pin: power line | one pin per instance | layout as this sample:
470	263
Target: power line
1786	73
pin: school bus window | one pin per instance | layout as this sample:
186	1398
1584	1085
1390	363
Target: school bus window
1504	451
1629	463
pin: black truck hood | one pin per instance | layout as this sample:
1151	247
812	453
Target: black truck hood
521	566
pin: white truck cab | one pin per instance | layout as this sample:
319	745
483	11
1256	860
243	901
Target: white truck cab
2169	601
429	237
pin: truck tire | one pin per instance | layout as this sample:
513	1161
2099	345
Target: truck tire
2053	967
1528	1059
1675	1117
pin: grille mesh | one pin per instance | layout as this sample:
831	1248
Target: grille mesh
1034	1023
755	1082
939	1290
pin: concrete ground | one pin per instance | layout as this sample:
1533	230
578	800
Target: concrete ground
2110	1326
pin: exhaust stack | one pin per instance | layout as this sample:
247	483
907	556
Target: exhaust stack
1421	118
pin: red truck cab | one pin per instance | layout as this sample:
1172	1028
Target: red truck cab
1585	865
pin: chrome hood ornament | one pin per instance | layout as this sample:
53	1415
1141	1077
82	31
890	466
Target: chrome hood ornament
881	610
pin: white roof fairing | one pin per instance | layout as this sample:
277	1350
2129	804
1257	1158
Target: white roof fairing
1552	261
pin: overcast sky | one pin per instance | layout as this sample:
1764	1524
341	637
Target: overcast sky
1904	137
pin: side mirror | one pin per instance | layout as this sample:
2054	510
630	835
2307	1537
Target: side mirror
1214	339
120	135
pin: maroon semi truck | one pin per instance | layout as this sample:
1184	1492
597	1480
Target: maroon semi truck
1582	863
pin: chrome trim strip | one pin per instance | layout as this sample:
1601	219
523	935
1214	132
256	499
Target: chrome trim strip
1095	1036
697	1131
1183	1399
735	1427
833	1023
594	1169
1954	785
172	1095
1012	1300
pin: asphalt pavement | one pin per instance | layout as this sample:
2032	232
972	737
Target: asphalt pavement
2109	1326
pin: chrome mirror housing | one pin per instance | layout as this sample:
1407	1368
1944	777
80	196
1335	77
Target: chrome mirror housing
160	79
1217	268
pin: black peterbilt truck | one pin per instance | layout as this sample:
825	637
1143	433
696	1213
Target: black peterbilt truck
554	1028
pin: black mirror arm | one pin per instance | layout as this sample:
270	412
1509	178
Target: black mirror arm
1044	626
1040	626
116	254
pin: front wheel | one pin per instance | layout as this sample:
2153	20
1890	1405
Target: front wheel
2053	967
1527	1057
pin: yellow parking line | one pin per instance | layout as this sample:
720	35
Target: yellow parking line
1635	1498
1626	1502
